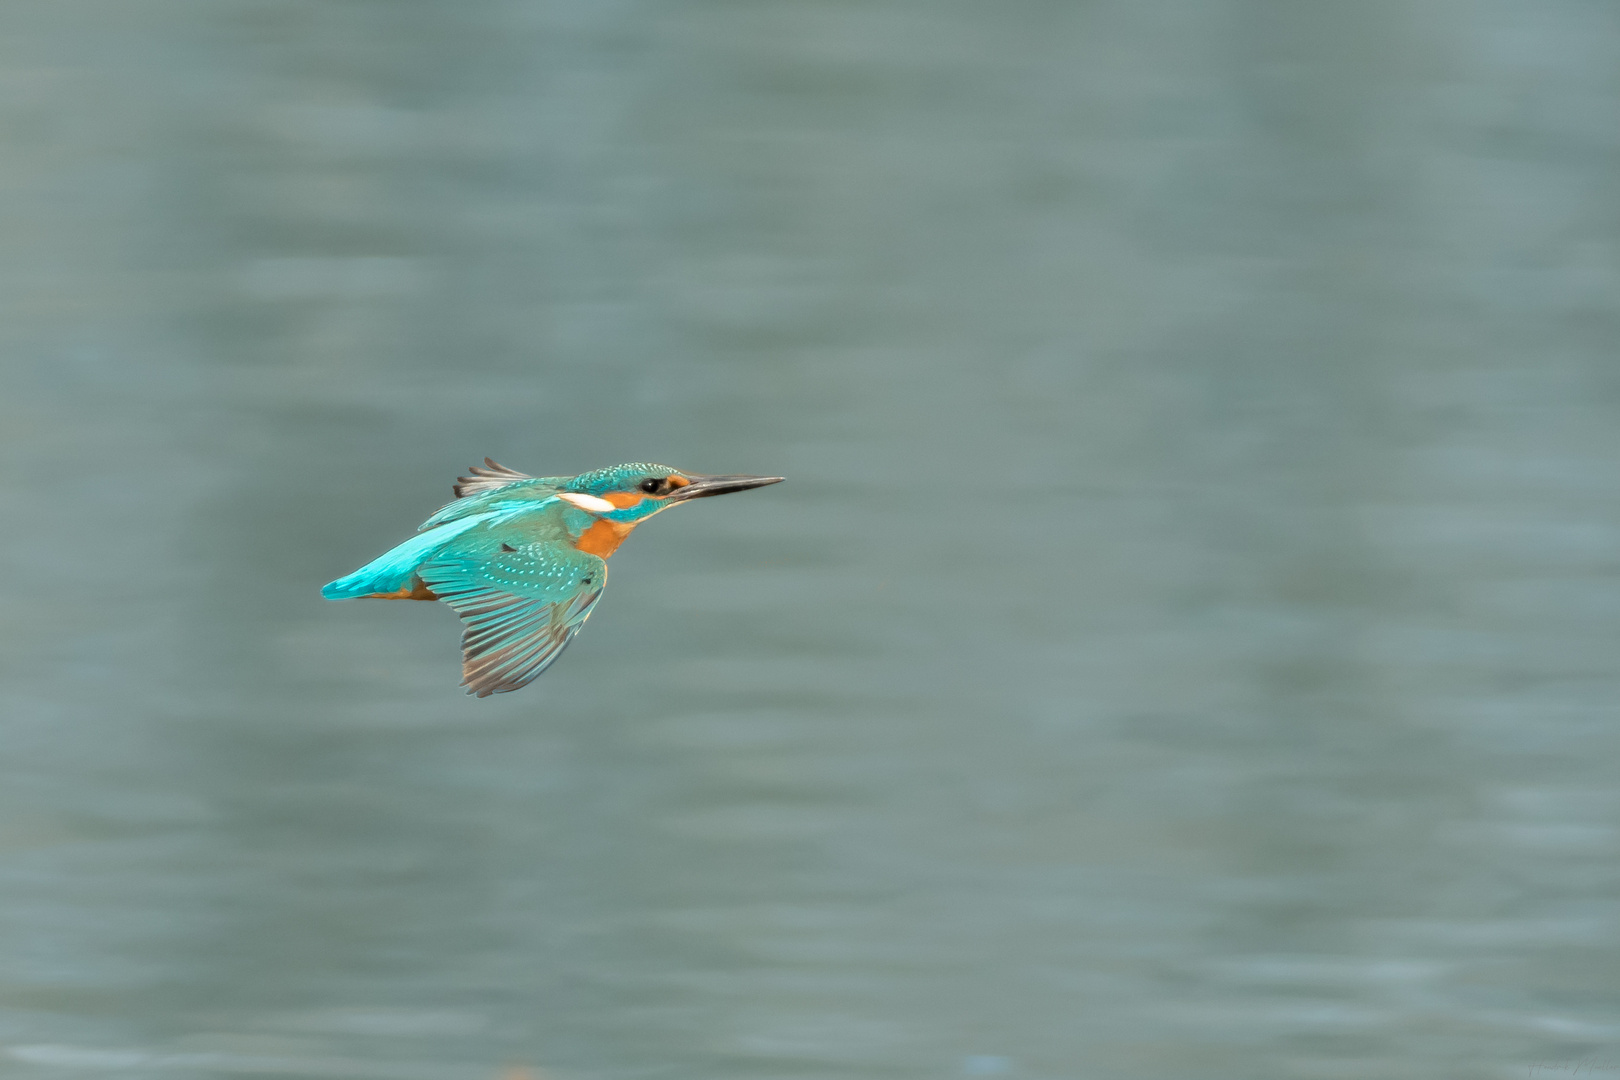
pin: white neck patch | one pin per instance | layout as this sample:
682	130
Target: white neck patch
588	503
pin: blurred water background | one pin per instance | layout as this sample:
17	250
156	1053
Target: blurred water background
1188	644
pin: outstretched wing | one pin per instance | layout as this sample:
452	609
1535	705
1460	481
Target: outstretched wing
486	477
495	487
520	608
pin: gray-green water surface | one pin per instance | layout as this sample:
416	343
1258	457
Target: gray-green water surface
1187	646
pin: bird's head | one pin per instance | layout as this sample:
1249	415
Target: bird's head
636	491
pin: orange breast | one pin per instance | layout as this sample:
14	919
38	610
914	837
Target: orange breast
603	537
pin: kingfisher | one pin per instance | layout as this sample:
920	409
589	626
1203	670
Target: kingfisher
523	559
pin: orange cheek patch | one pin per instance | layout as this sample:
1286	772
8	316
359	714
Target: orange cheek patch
623	500
603	537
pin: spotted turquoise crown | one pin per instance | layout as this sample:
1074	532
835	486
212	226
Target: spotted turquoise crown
624	477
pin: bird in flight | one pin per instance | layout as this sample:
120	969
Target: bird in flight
523	559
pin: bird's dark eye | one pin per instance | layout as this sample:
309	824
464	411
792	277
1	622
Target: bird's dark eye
652	485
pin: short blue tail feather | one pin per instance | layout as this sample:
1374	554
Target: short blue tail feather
392	570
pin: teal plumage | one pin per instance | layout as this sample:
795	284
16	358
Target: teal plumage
523	560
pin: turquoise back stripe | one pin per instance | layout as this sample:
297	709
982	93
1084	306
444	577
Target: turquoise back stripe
392	570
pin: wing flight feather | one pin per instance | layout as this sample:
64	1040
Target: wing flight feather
486	477
509	638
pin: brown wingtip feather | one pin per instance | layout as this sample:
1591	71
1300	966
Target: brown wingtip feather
486	477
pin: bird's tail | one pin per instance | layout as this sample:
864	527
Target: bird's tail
392	571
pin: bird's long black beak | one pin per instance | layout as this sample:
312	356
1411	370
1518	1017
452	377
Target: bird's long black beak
701	487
